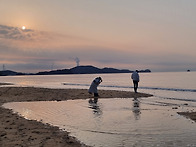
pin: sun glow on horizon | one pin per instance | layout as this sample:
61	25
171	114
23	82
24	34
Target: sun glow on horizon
23	27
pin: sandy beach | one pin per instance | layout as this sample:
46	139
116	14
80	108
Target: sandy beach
17	131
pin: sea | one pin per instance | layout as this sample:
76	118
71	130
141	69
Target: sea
117	122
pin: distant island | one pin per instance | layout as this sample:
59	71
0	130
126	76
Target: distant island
75	70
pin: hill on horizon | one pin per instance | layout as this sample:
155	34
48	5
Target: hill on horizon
88	69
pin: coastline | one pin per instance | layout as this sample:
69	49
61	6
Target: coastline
17	131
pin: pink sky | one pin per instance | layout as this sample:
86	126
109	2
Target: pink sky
158	35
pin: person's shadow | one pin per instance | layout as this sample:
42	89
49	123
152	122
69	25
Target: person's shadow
136	109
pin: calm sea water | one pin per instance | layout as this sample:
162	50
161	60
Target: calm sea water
178	86
118	122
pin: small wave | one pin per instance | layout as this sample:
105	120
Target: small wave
109	132
75	84
177	99
128	87
169	89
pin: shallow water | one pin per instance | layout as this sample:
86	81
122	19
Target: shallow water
116	122
176	85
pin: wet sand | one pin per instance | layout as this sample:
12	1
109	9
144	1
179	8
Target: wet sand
18	132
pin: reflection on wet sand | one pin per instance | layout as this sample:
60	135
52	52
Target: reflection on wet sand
95	106
136	109
114	122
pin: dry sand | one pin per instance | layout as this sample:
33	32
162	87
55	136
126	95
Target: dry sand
15	131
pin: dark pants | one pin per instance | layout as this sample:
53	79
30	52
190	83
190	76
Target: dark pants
135	85
96	95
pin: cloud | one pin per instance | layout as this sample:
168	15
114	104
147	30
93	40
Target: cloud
32	50
15	33
30	39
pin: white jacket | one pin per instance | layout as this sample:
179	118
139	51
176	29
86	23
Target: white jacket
94	85
135	76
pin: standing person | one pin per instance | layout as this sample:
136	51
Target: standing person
94	85
136	78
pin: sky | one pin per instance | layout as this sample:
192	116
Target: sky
126	34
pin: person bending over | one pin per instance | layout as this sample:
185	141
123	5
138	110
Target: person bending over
93	88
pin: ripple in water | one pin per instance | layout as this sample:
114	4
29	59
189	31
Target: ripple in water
114	122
